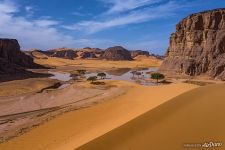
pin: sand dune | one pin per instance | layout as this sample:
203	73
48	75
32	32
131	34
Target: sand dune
194	117
76	128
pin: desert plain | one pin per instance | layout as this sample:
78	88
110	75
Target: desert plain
79	113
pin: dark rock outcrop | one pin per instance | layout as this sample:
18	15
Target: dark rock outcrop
86	55
117	53
61	53
136	53
89	53
13	62
67	54
198	46
10	53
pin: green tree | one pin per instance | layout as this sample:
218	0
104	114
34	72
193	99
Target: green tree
157	76
92	79
102	75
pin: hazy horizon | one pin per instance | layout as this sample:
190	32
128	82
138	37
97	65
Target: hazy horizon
136	24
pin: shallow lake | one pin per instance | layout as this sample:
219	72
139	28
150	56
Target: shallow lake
124	74
60	76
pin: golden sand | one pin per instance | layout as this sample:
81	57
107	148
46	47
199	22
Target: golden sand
92	63
18	87
194	117
76	128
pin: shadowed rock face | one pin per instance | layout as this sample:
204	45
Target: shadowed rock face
139	52
198	46
85	55
13	62
117	53
67	54
10	53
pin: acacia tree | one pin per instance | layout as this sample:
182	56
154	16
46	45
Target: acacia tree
92	79
157	76
102	75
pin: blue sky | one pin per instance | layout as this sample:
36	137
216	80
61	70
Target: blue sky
134	24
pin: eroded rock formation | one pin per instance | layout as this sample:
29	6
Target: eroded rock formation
13	62
198	46
10	53
117	53
136	53
67	54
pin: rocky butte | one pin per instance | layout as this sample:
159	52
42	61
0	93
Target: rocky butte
198	46
117	53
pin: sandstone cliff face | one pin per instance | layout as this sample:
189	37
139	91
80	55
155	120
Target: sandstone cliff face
117	53
67	54
86	55
198	46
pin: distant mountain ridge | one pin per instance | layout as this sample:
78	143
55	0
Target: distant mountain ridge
113	53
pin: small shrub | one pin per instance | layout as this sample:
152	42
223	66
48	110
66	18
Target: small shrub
157	76
102	75
92	79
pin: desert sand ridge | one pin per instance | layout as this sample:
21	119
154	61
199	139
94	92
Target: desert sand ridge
76	128
193	117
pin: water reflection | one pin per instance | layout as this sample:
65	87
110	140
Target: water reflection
140	76
118	72
60	76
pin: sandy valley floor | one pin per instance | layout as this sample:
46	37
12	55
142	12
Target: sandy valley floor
76	128
118	115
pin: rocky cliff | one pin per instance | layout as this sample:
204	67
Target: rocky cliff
198	46
67	54
13	62
10	53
